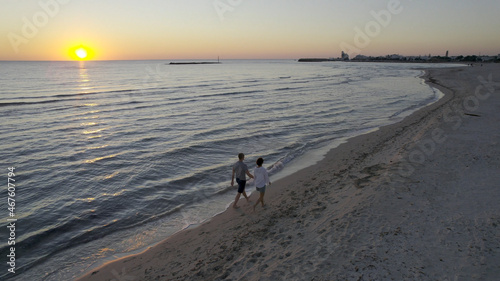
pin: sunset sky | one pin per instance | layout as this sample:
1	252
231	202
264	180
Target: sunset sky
245	29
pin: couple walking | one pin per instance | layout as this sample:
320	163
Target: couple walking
240	170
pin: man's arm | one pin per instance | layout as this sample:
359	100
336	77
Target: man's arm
250	175
232	179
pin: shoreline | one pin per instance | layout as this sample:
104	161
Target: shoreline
317	155
355	173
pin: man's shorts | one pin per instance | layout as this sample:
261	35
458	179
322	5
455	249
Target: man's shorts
241	185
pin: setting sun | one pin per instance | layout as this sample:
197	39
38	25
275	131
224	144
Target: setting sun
80	53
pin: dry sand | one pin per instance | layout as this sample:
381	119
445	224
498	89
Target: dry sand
416	200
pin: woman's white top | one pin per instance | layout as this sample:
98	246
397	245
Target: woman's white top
261	177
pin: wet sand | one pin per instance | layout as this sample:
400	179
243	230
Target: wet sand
415	200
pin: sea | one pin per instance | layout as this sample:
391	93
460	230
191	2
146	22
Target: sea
111	157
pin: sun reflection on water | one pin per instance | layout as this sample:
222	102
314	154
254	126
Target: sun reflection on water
84	80
100	158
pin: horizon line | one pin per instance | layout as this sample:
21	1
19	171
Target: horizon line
208	59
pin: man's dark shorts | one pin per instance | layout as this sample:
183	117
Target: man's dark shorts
241	185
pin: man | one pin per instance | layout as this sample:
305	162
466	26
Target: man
240	169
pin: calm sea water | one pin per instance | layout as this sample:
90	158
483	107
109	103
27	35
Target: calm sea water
112	157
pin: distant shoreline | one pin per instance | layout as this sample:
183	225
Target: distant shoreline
432	60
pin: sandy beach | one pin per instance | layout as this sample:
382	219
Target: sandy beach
415	200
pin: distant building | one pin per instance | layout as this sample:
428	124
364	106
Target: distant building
395	57
360	57
487	58
344	56
424	58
